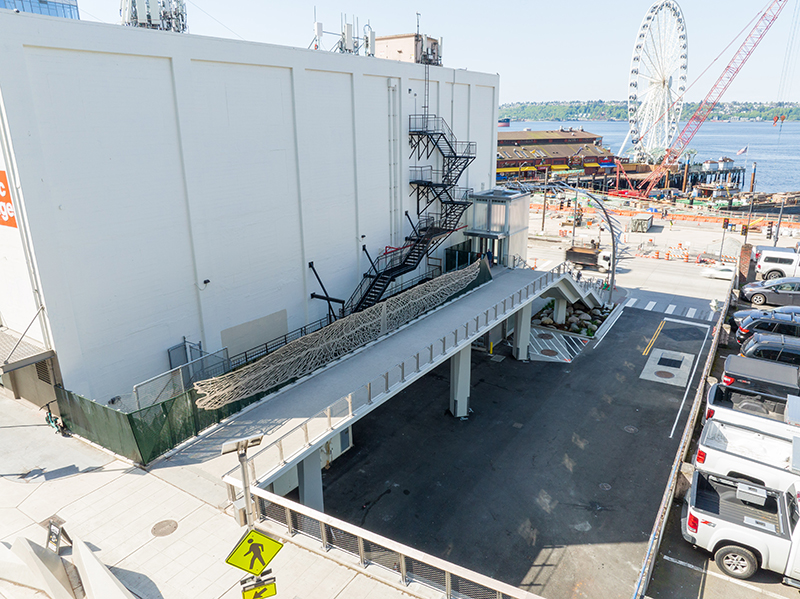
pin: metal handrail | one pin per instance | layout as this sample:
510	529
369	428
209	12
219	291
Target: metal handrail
270	346
345	407
323	525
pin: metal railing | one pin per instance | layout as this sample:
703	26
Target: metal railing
657	534
178	380
294	445
270	346
410	565
431	124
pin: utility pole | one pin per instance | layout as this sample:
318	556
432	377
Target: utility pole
778	228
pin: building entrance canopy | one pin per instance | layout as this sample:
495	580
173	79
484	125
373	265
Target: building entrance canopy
17	352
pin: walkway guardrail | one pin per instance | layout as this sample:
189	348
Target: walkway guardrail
657	535
410	565
292	446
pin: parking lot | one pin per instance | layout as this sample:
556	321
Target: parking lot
554	481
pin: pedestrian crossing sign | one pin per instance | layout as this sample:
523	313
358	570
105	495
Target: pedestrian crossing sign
253	552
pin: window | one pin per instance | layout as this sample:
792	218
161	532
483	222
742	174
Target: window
785	287
790	356
764	326
766	353
786	329
776	260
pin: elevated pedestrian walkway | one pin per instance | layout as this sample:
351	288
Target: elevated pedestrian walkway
301	418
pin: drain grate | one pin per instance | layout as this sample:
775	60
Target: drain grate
164	528
670	362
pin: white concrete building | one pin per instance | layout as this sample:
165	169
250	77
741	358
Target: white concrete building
173	186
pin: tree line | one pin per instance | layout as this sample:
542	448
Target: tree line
618	111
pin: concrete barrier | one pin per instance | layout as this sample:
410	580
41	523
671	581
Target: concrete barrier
97	579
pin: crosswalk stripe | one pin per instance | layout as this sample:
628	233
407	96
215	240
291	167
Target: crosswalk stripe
671	308
630	302
691	312
650	305
543	265
711	316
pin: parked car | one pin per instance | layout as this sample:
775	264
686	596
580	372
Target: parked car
736	319
748	454
761	249
744	526
756	393
719	272
776	292
772	322
776	348
774	265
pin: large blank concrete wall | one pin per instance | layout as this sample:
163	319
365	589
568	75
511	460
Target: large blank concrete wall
148	162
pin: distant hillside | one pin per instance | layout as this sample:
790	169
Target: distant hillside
618	111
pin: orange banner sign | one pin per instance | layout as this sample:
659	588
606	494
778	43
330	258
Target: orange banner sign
7	215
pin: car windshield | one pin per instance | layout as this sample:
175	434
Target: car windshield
794	511
747	345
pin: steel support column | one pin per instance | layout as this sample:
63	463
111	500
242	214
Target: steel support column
309	477
460	370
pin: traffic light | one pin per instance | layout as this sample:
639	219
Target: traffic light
569	203
769	230
561	205
725	223
744	229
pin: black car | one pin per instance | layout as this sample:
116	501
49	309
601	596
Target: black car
777	292
736	320
770	322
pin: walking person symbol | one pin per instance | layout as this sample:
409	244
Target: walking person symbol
255	550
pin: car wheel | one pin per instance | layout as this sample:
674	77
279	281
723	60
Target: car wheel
773	274
758	300
737	562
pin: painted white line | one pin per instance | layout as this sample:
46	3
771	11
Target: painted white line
694	324
543	265
749	587
608	328
670	309
650	305
689	382
711	315
630	302
691	312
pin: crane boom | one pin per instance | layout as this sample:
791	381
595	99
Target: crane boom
765	21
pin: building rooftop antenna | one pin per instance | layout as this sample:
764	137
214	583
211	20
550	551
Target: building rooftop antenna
167	15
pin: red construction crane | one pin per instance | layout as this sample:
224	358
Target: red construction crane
672	154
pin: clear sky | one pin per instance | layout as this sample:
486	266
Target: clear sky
542	49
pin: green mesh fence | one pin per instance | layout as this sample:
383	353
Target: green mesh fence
145	434
104	426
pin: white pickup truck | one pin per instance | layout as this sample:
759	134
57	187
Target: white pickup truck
748	454
744	526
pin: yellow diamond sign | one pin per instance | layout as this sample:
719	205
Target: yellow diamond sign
253	552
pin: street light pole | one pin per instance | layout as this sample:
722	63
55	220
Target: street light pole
240	447
778	229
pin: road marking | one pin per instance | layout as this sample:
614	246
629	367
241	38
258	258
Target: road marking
650	305
723	577
691	376
543	265
630	302
691	312
653	340
608	328
671	308
711	315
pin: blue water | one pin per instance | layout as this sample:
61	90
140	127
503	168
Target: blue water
776	152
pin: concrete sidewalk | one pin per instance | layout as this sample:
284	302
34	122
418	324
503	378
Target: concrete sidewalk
113	507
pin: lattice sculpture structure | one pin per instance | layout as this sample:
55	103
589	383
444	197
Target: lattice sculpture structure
304	355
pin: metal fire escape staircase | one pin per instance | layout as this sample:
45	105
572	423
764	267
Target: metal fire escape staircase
428	134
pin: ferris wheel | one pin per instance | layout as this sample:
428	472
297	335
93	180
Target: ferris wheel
657	81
